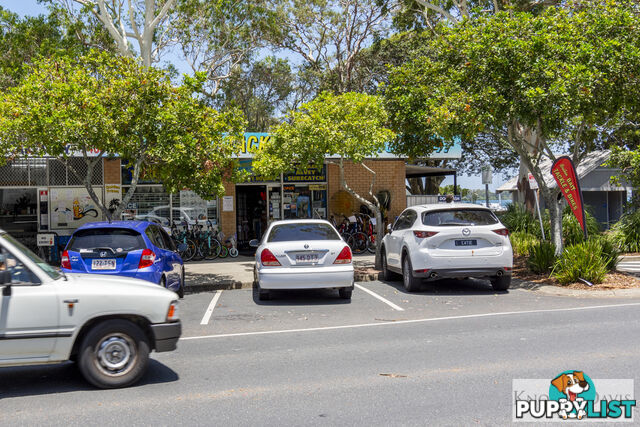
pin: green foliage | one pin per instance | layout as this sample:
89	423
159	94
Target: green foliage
610	250
521	242
626	232
518	219
572	232
111	105
541	257
350	126
585	260
627	158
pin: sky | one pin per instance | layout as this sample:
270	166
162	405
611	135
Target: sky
32	8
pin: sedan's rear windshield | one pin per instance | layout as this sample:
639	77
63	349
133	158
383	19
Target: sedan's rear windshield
459	217
114	238
297	232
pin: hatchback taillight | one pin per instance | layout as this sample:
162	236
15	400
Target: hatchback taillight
344	257
501	231
268	258
64	260
147	258
424	234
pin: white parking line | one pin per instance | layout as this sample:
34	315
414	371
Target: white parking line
384	300
212	305
405	322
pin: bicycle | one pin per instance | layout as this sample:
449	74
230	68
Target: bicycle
186	246
208	245
351	231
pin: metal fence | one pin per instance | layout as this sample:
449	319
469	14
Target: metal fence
33	172
421	200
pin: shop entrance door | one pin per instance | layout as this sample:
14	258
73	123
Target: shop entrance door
251	213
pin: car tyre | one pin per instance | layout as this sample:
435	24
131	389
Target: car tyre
345	293
387	275
263	294
181	288
114	354
501	283
411	283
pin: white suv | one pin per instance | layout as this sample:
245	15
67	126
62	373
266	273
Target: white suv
453	240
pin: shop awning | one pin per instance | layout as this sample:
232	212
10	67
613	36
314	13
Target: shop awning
416	171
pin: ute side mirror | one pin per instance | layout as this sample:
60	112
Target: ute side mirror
254	243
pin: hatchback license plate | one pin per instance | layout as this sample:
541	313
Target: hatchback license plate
466	243
103	264
306	258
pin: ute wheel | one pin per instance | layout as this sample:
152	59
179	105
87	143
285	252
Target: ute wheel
387	275
114	354
411	283
501	283
345	293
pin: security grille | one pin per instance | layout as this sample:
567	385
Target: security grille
33	172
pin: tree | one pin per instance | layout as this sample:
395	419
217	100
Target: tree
261	91
329	34
347	127
113	106
534	83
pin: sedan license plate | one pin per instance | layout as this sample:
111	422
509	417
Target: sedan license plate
103	264
466	243
306	258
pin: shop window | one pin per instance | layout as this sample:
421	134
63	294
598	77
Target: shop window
305	201
188	206
18	214
148	203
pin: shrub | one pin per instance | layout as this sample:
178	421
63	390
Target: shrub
541	257
518	220
572	232
610	250
626	232
584	260
521	242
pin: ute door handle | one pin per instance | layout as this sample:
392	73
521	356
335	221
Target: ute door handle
70	301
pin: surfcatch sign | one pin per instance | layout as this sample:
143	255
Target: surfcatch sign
253	141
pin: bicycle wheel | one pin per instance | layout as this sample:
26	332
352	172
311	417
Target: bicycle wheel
197	253
358	242
371	243
204	249
214	249
192	250
187	253
224	251
233	252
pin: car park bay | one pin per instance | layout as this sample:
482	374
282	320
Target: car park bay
310	357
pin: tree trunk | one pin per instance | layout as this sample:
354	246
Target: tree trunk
555	213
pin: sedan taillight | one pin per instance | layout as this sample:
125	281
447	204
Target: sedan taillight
147	258
268	258
65	262
344	257
424	234
501	231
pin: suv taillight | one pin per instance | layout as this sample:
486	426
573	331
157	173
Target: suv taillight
147	258
344	257
64	260
424	234
501	231
268	258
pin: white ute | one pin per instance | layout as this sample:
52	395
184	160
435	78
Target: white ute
107	324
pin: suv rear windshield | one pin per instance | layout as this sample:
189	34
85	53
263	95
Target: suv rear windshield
114	238
453	217
297	232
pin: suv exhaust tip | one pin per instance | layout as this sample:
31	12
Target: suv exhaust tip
499	273
433	275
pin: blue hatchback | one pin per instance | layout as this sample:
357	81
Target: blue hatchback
138	249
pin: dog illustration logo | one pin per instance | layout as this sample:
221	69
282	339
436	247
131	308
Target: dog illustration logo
574	387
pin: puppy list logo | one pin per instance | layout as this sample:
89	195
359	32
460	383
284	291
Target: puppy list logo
572	395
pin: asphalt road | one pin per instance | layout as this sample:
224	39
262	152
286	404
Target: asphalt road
444	356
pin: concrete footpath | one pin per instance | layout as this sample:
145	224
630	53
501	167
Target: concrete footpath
230	273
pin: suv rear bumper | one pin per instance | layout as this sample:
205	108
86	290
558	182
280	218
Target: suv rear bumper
166	335
443	273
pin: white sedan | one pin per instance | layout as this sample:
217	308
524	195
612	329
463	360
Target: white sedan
302	254
453	240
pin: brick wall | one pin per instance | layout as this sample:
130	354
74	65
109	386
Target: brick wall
112	172
228	219
390	175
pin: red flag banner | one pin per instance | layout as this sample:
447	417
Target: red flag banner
565	175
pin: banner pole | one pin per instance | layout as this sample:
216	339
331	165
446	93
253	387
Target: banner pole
539	216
